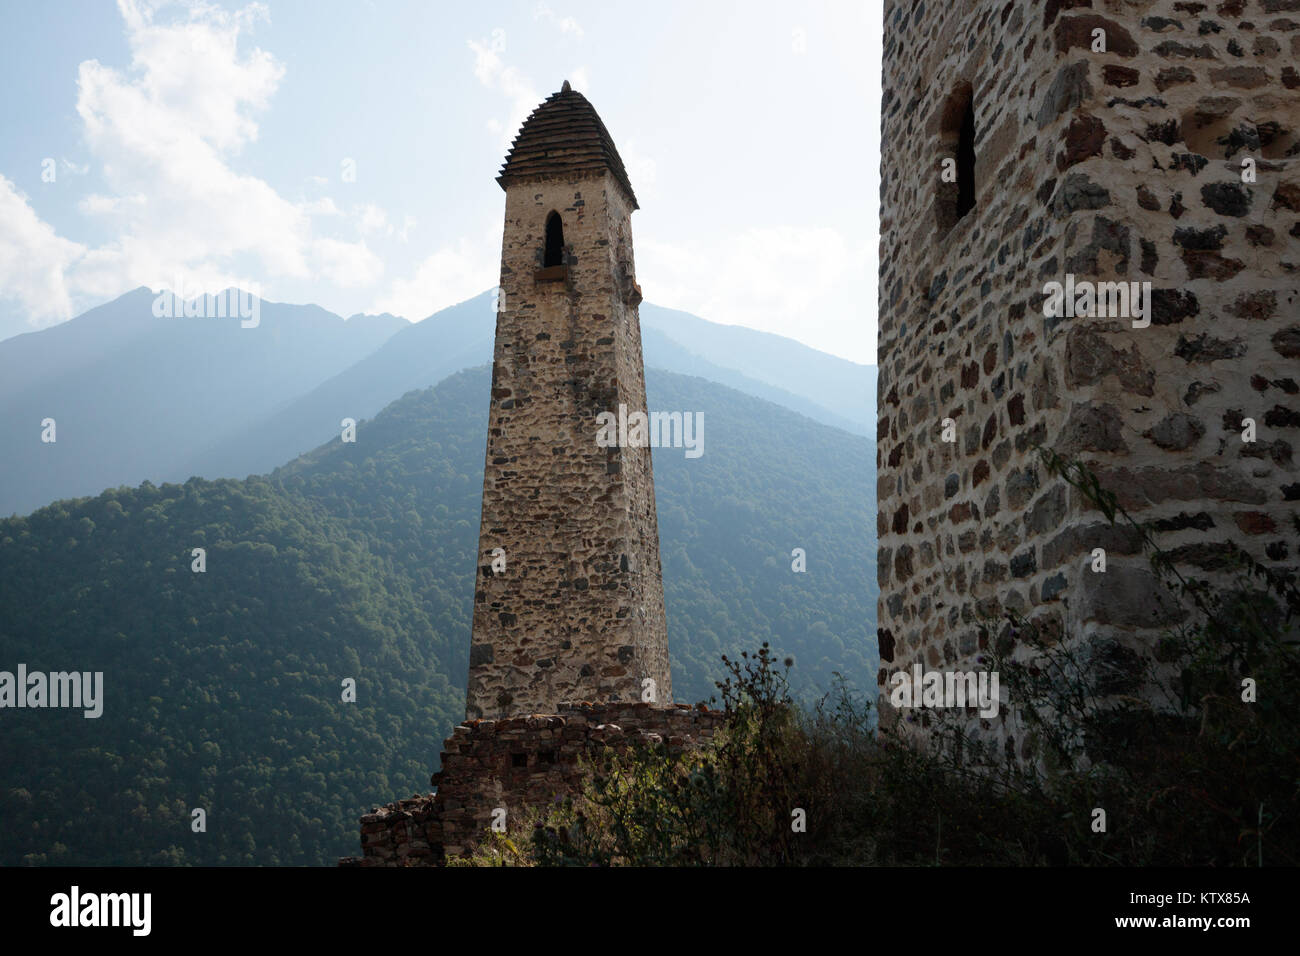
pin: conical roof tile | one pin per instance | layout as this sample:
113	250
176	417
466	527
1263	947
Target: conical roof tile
563	135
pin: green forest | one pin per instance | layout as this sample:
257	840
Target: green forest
224	689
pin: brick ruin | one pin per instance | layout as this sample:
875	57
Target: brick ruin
1118	161
514	763
568	602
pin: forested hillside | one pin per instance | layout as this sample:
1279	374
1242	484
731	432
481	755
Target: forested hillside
223	689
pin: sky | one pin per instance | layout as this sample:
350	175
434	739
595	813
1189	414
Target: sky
345	154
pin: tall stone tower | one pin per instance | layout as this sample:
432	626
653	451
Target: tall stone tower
569	599
1093	141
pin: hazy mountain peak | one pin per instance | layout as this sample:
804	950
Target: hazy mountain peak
140	397
378	317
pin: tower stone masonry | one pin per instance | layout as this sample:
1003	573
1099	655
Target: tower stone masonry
1101	140
569	652
568	604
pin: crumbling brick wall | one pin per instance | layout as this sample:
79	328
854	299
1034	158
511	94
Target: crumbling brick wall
513	763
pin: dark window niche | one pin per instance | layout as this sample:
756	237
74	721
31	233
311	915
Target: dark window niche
955	200
553	253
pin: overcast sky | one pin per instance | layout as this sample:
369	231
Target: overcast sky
210	144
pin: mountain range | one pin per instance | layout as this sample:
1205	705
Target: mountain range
135	397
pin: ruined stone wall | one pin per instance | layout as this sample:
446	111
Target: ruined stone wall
1117	165
513	764
578	612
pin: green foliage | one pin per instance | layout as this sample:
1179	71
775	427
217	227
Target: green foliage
651	806
223	689
743	800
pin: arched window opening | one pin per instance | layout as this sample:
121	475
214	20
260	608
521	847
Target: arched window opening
966	162
957	188
554	253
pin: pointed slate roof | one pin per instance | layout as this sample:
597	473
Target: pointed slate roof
563	135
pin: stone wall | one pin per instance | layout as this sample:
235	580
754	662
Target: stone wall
578	611
1124	165
514	763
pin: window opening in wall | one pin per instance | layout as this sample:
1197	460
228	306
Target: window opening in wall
554	253
966	161
955	196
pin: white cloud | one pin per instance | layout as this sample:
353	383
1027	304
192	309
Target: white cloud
372	220
167	127
450	275
346	264
96	204
566	25
166	131
324	206
508	80
801	282
33	260
191	73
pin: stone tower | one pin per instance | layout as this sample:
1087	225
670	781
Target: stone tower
569	601
1101	140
